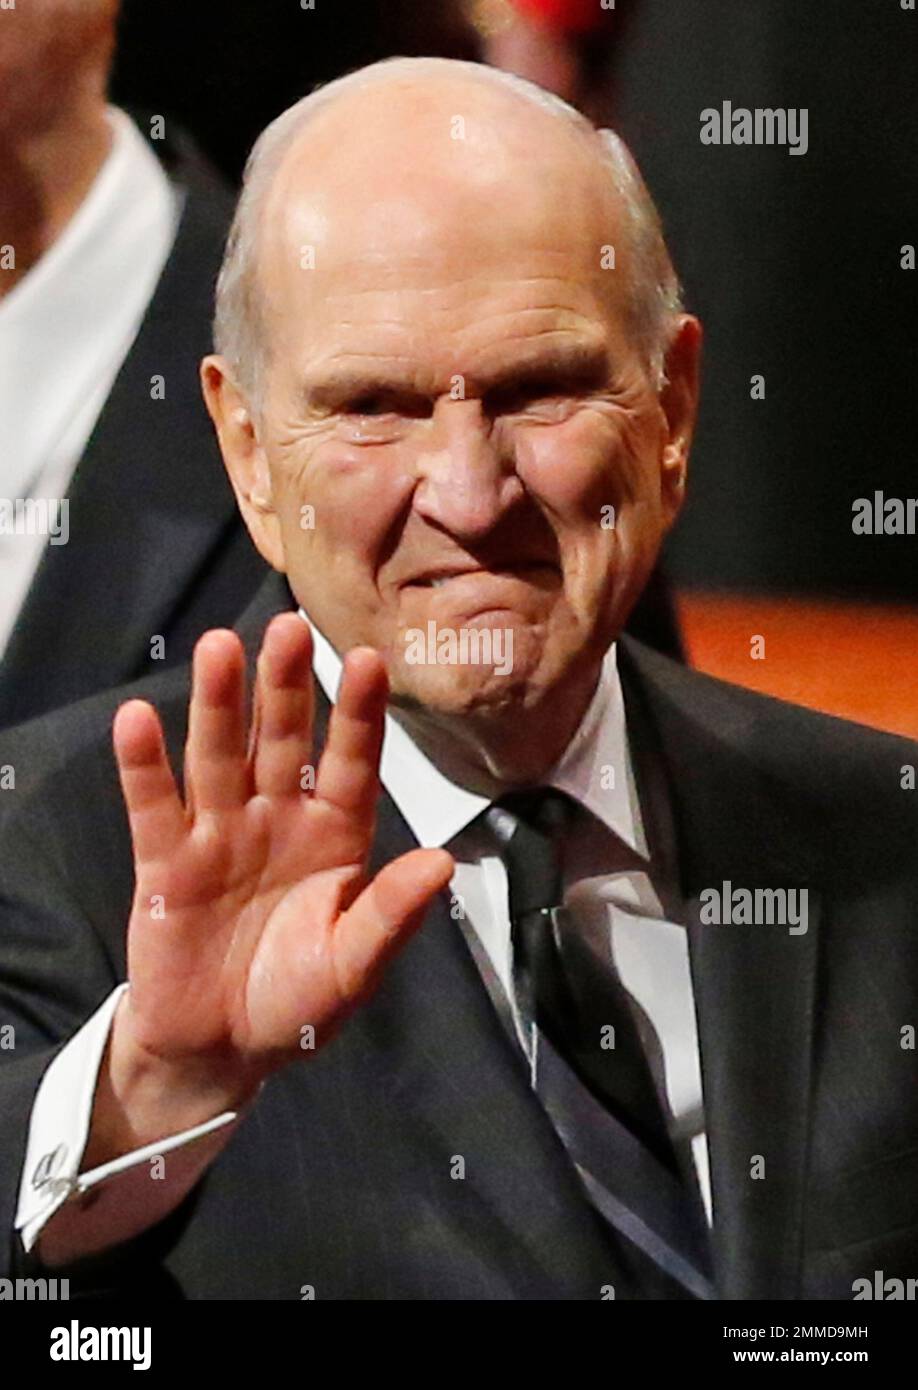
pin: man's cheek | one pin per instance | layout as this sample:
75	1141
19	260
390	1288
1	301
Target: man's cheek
579	469
296	521
624	444
605	549
353	489
310	511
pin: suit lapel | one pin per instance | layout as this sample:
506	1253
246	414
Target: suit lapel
753	984
141	524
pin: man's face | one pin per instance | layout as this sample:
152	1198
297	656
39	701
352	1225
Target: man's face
47	49
458	428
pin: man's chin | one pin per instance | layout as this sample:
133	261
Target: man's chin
456	668
461	691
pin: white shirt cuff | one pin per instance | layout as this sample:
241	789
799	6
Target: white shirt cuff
59	1128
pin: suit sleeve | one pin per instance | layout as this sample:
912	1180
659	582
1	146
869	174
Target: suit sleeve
53	975
55	972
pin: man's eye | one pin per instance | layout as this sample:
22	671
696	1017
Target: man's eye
534	397
369	405
371	420
546	408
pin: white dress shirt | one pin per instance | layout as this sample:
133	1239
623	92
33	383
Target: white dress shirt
66	328
620	910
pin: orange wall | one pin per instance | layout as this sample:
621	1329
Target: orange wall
859	661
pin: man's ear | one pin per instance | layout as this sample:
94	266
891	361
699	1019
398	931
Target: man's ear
679	403
244	457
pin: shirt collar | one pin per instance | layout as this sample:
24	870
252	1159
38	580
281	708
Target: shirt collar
99	272
595	768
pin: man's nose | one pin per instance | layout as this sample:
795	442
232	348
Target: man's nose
466	481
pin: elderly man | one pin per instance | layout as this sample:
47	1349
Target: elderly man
608	994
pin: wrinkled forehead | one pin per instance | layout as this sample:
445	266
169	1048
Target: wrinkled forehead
415	191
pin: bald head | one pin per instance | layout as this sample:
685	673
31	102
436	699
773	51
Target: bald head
408	155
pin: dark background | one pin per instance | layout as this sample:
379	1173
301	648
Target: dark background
791	262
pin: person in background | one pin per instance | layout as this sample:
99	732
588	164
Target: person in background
119	537
563	45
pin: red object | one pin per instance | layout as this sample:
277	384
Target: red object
854	660
571	16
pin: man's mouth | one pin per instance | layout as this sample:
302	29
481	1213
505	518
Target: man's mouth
526	570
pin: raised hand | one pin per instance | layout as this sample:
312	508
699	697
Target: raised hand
253	921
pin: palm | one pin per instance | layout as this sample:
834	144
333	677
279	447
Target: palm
252	922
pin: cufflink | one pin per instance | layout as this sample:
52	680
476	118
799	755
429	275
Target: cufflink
46	1174
49	1166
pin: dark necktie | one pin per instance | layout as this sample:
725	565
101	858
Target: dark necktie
592	1073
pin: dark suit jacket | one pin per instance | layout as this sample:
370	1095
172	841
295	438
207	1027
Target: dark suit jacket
156	544
340	1177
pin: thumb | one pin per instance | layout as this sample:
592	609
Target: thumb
385	915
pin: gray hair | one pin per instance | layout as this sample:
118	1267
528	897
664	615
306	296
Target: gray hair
655	294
